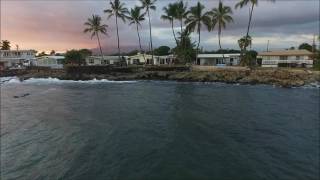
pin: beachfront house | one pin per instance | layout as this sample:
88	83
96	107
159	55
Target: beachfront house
139	59
147	59
286	58
53	62
16	58
104	60
162	60
218	59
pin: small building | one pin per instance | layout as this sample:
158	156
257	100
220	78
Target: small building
218	59
104	60
286	58
147	59
162	60
54	62
17	58
141	59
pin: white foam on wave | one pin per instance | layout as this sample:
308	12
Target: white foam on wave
15	80
312	85
9	80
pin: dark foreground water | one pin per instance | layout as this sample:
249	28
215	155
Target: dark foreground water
158	130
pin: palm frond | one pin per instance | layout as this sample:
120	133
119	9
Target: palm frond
94	25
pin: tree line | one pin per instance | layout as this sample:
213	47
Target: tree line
192	18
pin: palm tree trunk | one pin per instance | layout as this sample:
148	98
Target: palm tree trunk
181	40
150	34
249	24
198	43
99	45
139	38
118	38
219	36
181	25
140	43
174	34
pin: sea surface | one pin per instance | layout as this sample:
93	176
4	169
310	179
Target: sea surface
155	130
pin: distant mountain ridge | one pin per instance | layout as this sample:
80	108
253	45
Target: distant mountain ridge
114	50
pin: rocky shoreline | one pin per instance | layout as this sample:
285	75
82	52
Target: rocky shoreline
277	77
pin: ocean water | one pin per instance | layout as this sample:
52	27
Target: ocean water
52	129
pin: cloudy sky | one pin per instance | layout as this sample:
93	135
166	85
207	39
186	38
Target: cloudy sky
58	24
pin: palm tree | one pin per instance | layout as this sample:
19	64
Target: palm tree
94	26
119	11
196	19
243	43
243	3
220	17
170	13
185	49
182	13
136	18
5	45
149	5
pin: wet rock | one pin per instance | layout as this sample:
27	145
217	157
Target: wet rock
279	77
21	96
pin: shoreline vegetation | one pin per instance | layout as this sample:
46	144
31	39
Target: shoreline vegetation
283	77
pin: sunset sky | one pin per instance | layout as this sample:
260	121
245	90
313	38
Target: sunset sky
46	25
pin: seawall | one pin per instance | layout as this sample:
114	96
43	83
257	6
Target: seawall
279	77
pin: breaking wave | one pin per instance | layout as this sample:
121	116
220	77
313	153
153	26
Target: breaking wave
16	80
312	85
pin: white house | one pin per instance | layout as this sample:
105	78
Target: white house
286	58
17	58
105	60
161	60
147	59
141	59
54	62
218	59
138	59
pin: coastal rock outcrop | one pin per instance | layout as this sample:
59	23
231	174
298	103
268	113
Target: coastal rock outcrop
278	77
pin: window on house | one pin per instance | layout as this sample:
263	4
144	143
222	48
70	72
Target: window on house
297	57
104	62
136	61
283	57
91	61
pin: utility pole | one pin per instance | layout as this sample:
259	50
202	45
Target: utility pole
268	46
17	47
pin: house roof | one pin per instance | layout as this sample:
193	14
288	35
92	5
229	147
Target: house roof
140	55
216	55
51	57
115	58
286	53
30	50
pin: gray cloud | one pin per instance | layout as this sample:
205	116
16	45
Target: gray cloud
59	24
